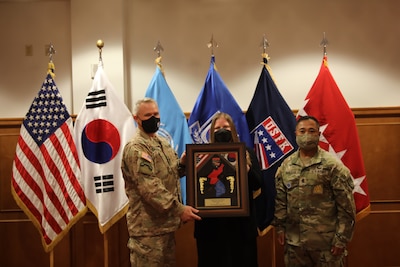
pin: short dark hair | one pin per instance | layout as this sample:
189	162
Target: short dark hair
304	118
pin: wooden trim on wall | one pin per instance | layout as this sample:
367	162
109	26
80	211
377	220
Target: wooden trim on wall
376	240
373	112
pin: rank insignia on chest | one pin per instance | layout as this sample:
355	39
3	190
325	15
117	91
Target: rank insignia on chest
318	189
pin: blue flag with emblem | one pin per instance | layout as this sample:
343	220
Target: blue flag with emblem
272	128
213	98
173	123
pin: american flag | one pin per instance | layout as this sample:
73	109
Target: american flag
46	172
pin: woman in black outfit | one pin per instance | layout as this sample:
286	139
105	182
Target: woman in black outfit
230	241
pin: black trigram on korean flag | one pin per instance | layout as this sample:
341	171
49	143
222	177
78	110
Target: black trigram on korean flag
96	99
104	183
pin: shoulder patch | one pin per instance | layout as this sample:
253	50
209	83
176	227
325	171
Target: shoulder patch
146	156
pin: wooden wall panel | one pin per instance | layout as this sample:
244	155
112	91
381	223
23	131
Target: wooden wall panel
376	240
21	245
380	145
7	148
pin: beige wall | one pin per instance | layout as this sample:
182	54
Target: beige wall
363	50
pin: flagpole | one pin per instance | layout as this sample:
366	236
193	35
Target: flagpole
50	66
273	248
105	242
158	49
265	45
212	44
50	70
324	43
100	45
51	256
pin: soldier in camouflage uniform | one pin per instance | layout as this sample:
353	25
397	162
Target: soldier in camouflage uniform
314	209
150	169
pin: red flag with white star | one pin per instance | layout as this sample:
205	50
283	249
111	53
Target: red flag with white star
339	133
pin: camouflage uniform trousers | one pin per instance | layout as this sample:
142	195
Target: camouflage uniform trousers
152	251
296	256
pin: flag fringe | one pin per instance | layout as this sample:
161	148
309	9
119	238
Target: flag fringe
325	61
104	228
47	247
265	231
50	69
158	63
363	213
215	67
270	71
256	193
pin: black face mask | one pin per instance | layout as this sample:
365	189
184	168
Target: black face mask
151	125
223	136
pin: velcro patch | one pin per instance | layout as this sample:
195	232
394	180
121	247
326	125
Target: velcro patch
318	189
146	156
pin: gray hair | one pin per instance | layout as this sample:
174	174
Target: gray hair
140	101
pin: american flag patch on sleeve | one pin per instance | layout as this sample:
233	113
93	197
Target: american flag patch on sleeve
146	156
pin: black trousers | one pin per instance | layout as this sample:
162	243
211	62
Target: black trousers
227	252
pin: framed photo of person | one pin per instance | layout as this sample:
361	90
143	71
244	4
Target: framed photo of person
216	179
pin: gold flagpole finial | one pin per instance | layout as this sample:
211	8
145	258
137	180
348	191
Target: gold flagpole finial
50	66
158	49
211	44
100	45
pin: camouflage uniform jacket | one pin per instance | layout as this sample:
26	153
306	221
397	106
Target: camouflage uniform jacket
150	169
314	202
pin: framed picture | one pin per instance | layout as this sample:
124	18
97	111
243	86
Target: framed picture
216	179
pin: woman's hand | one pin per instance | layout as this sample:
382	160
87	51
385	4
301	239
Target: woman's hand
182	160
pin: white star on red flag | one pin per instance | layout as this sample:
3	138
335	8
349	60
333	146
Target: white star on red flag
338	131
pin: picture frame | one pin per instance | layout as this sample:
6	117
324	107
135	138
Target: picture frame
216	179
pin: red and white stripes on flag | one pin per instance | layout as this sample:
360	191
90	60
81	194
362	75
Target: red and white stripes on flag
45	176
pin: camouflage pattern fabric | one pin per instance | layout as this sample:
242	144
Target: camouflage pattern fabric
150	170
157	251
301	257
314	203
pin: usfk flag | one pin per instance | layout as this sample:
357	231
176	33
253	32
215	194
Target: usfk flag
339	133
272	127
45	173
173	124
214	98
103	126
